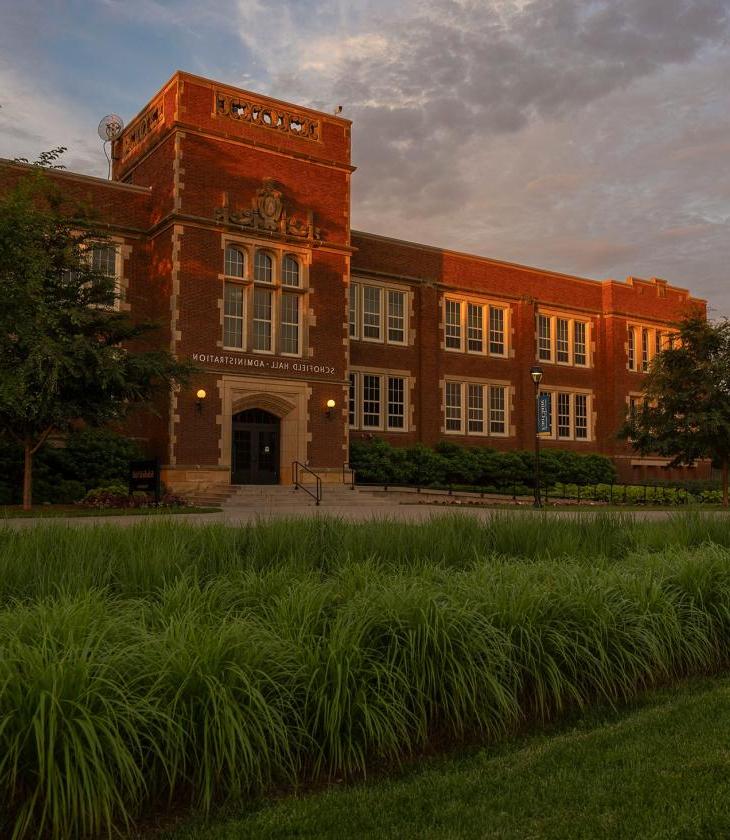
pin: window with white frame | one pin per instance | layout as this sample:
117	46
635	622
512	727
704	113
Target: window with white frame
562	339
569	414
378	401
454	418
104	259
474	328
643	343
371	401
262	320
544	344
290	271
289	336
372	298
353	309
263	267
496	331
233	319
378	313
453	324
235	262
396	316
263	313
396	403
352	402
475	408
466	323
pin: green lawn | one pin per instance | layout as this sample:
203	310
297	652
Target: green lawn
659	769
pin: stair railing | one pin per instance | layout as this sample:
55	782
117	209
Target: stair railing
296	470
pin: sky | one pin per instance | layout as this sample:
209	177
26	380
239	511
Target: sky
585	136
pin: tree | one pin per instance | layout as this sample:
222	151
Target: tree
67	354
685	410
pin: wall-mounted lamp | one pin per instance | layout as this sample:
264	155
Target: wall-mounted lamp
201	395
330	405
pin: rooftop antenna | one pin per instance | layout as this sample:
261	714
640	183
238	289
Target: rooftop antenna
109	129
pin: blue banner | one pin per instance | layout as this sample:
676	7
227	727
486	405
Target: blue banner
544	414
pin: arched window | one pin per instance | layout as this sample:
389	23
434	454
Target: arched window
262	270
290	271
234	262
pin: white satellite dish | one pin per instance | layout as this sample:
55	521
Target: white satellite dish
110	127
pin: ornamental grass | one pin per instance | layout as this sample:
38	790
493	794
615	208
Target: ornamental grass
167	662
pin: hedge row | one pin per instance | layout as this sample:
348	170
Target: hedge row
378	462
63	474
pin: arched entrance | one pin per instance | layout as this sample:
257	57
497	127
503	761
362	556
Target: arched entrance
256	447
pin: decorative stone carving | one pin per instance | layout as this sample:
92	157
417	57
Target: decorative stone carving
258	113
268	213
142	127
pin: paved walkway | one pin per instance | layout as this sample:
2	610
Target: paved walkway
353	513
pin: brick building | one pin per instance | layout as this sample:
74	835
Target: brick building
230	218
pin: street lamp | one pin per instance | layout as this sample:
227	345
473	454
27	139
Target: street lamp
536	374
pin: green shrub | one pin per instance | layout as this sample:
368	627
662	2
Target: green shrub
62	474
377	462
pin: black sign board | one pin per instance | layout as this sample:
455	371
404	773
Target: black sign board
145	476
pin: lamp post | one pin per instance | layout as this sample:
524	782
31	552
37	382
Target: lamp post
536	374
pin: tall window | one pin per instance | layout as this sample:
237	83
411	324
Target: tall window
486	408
263	271
453	407
353	309
497	411
371	307
289	336
453	324
370	401
544	344
581	416
644	343
352	402
263	316
396	402
579	343
474	328
563	415
378	401
378	313
104	259
496	330
290	271
562	343
234	262
475	397
562	340
481	324
631	338
396	316
233	315
568	415
262	320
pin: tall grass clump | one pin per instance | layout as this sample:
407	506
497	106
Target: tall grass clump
164	662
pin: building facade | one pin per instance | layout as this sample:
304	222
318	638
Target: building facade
229	215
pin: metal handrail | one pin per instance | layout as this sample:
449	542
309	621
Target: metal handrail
295	470
345	468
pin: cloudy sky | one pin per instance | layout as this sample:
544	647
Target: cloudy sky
586	136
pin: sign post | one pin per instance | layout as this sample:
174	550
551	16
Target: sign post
145	476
